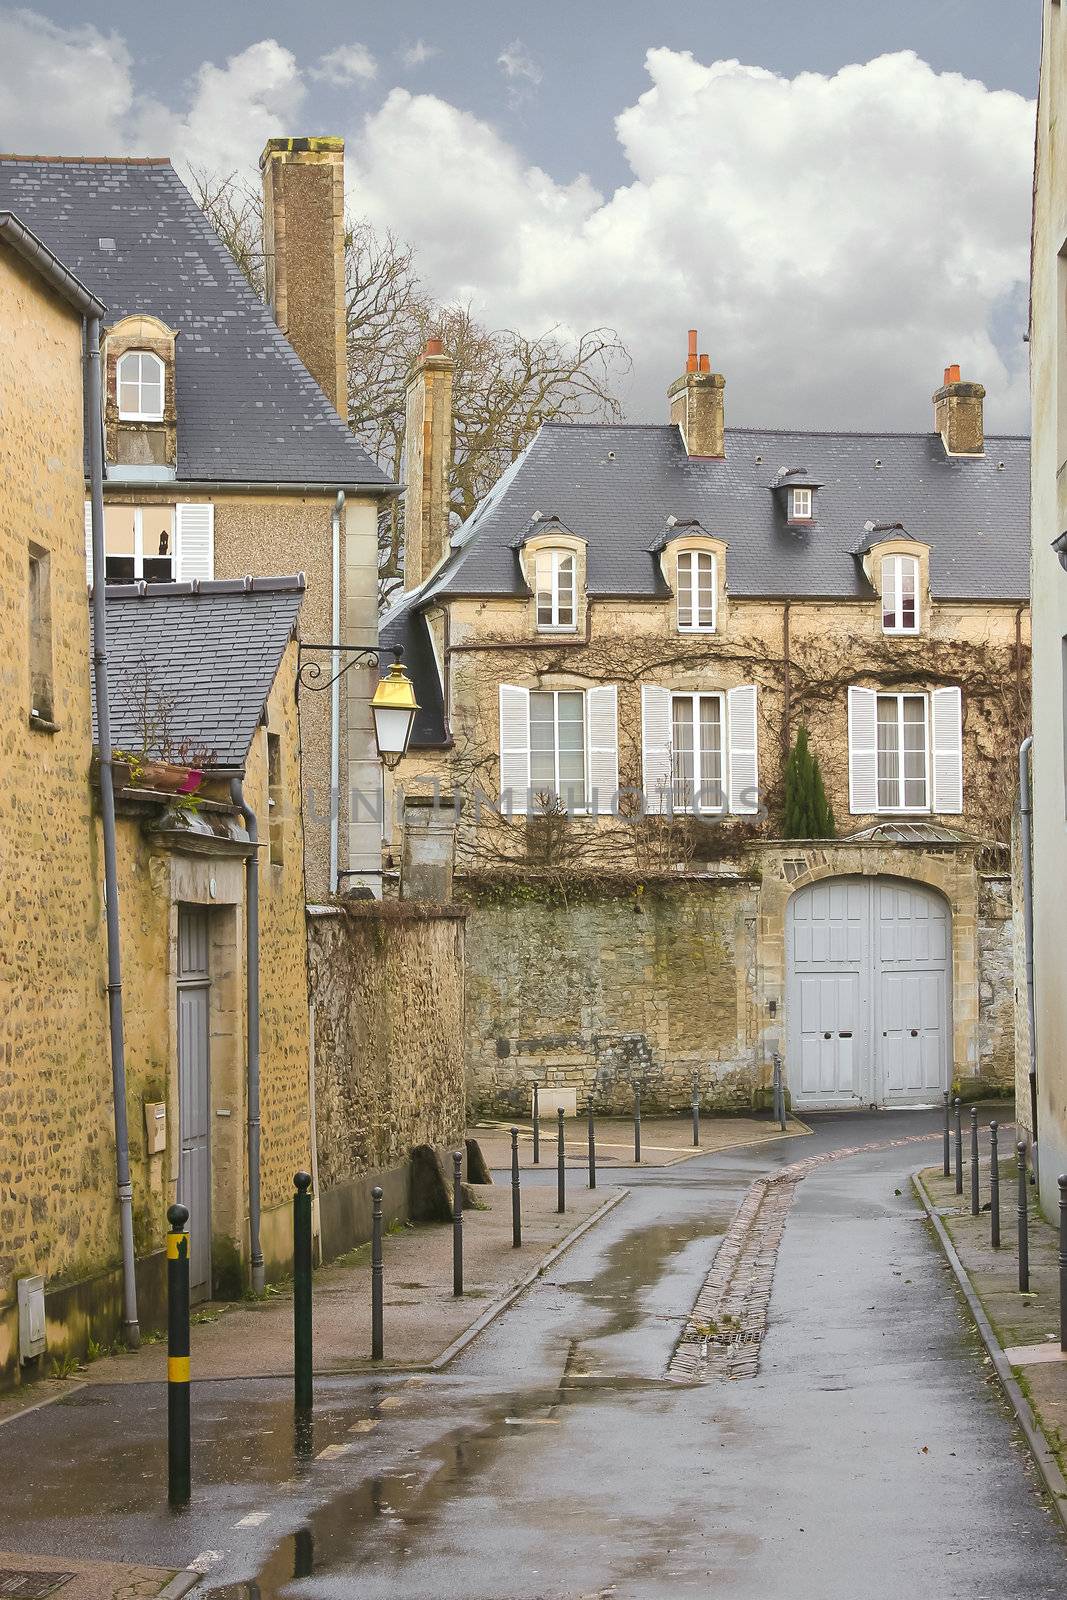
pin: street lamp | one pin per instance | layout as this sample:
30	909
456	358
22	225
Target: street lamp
394	706
393	703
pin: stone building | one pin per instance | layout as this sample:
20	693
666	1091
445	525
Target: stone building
201	676
226	447
1048	383
614	656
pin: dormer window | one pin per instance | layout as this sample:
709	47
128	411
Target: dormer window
139	377
555	587
900	594
800	504
696	588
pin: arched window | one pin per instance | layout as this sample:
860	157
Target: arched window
900	594
139	377
555	584
696	591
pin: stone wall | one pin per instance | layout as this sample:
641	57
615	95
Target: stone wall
996	983
387	995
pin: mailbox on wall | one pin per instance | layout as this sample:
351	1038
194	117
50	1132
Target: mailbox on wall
155	1126
32	1337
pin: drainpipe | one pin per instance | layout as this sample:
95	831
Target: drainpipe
255	1249
94	422
335	699
1026	838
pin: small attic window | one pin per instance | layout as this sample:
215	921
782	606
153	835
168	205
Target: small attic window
800	504
139	379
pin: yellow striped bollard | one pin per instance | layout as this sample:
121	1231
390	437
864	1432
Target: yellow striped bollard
178	1446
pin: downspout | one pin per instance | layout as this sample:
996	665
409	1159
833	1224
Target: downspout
255	1250
94	422
1026	836
335	700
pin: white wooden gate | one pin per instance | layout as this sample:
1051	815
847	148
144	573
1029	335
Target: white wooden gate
867	998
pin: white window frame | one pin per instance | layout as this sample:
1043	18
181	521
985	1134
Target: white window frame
555	556
138	547
140	415
895	810
697	805
798	494
692	558
535	788
893	569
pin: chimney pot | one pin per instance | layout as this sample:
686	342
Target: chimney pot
952	374
705	364
434	347
691	359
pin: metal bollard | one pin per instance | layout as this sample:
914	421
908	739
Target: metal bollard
516	1205
959	1147
1024	1242
457	1222
975	1197
1063	1260
561	1170
994	1188
696	1117
778	1093
592	1149
948	1157
536	1127
637	1124
302	1359
377	1279
179	1450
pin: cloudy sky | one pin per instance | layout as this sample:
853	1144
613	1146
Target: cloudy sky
836	194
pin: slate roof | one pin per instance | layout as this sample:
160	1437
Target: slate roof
248	409
616	484
209	651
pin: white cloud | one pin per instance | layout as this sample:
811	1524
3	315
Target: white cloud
837	239
348	64
417	54
59	82
516	62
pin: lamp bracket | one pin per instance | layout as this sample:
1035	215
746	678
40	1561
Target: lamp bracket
310	672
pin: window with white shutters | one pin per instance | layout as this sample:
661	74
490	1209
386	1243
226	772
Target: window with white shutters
900	594
699	750
905	751
558	745
695	586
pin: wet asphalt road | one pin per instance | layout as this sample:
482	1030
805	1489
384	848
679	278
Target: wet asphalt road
871	1457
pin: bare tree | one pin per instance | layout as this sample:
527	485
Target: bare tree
505	383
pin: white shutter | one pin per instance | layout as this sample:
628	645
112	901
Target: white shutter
862	751
195	539
89	543
602	728
946	746
514	748
658	777
744	763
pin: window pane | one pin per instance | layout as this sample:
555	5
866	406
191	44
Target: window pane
118	569
705	589
119	530
888	753
682	750
914	750
711	796
907	594
685	589
889	592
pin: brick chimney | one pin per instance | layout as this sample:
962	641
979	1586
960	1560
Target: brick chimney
697	405
958	415
427	461
304	244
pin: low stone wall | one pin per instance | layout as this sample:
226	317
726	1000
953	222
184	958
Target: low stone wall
387	993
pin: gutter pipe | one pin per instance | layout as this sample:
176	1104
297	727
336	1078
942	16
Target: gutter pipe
1026	839
255	1249
335	699
94	412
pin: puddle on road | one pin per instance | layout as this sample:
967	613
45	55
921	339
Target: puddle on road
639	1262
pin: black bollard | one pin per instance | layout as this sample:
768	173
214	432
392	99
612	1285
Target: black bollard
179	1450
561	1170
696	1117
637	1124
959	1147
1024	1242
457	1223
975	1171
994	1188
302	1362
377	1279
536	1128
948	1157
1063	1260
516	1207
592	1149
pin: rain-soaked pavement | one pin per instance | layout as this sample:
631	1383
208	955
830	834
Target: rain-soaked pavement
871	1457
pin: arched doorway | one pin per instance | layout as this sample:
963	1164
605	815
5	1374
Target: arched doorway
869	969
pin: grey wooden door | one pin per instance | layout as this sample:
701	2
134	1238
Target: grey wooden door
194	1091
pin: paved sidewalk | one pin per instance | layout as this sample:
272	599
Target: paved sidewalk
422	1317
1027	1325
33	1576
664	1140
